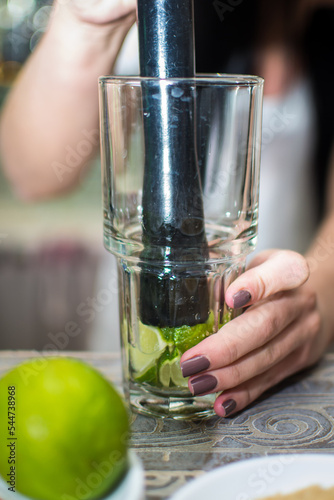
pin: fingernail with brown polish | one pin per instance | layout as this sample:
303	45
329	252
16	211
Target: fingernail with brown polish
229	406
194	365
241	298
203	384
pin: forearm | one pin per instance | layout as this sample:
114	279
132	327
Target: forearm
321	262
49	124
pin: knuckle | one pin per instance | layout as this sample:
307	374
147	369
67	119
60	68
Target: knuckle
300	267
272	355
234	375
250	320
296	268
260	287
308	353
229	350
310	299
314	323
270	326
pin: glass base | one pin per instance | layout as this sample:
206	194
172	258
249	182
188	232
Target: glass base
185	407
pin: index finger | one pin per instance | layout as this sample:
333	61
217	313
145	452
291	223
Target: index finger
281	270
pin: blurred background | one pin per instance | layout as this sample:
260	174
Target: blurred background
58	287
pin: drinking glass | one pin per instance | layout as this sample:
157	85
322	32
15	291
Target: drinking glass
180	172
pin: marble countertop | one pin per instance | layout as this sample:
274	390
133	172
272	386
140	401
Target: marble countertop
296	417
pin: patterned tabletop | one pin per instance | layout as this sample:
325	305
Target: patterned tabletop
296	417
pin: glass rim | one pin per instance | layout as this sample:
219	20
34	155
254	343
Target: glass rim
225	79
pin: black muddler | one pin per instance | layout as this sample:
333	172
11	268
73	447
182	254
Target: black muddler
173	284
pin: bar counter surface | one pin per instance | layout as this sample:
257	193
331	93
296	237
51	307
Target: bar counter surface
296	417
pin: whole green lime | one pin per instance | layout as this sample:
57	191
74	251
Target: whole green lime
65	430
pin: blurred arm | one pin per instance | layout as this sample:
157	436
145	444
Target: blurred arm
321	259
49	123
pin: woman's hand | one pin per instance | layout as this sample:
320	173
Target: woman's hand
279	334
99	11
57	93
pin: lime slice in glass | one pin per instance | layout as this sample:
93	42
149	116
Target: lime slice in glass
164	373
144	365
176	376
141	362
169	370
145	357
163	367
150	339
148	377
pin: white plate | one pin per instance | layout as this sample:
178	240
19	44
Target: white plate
131	488
258	478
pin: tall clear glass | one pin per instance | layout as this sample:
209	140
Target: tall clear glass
180	170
